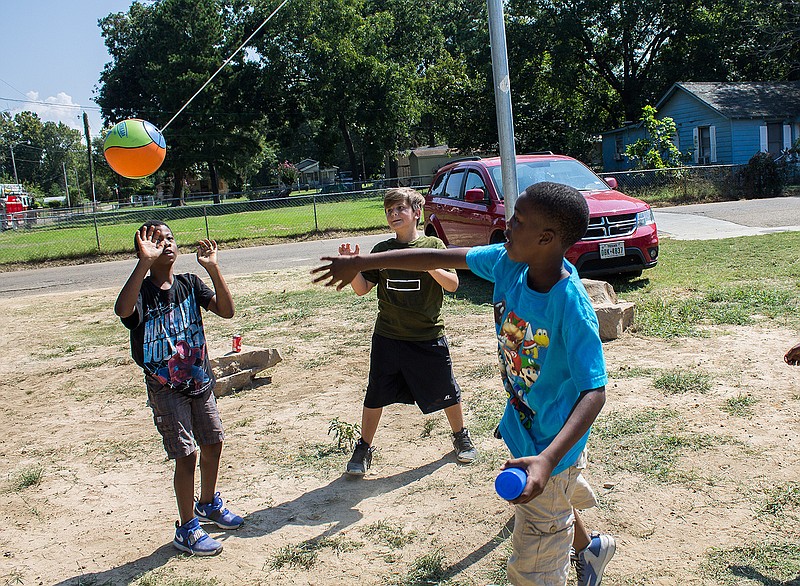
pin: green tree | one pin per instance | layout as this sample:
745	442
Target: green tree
162	54
656	150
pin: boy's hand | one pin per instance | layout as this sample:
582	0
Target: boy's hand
538	469
150	243
793	355
340	271
207	253
345	250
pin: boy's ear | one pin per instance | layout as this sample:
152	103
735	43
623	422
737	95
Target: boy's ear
547	236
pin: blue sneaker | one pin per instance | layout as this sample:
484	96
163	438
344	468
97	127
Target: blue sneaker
590	562
191	538
215	512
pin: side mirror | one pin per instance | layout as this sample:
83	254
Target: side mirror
611	182
475	195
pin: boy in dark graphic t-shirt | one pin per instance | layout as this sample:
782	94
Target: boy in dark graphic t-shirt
162	312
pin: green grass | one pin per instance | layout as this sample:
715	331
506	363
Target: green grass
115	231
27	477
740	405
782	500
767	564
388	533
678	381
698	284
304	555
646	442
426	570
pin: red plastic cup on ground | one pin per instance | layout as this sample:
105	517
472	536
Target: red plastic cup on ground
236	346
510	483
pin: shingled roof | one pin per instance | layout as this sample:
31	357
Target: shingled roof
745	99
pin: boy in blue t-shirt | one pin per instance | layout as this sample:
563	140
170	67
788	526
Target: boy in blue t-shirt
552	367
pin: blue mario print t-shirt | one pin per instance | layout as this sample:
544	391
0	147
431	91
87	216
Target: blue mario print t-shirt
549	351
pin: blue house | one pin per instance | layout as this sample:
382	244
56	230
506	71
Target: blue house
722	123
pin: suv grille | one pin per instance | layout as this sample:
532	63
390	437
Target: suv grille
610	226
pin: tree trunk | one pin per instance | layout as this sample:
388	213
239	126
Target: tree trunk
212	172
348	143
177	189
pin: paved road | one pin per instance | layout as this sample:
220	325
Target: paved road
691	222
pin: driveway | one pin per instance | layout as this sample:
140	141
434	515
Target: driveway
727	219
690	222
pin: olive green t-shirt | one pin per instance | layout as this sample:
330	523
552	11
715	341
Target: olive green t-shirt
409	302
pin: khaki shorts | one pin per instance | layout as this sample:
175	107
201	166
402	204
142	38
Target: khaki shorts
184	421
543	529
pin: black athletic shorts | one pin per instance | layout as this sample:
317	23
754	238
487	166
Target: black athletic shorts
411	372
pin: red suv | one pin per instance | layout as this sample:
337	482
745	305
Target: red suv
464	207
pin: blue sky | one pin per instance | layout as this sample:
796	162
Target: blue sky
52	56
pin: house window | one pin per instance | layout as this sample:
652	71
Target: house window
619	148
774	138
704	146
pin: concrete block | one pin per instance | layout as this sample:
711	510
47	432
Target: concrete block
237	370
614	315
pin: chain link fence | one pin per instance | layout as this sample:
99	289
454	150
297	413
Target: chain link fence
698	183
255	217
263	216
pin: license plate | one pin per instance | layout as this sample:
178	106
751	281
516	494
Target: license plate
612	249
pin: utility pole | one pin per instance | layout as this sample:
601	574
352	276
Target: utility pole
66	183
13	163
91	176
502	102
91	164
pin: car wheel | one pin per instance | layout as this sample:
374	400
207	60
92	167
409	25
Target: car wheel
497	238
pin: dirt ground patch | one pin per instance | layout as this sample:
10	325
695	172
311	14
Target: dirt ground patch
685	478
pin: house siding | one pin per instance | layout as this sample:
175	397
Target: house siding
689	113
630	134
745	140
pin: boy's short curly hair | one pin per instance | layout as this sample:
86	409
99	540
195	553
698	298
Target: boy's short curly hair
404	195
564	206
146	225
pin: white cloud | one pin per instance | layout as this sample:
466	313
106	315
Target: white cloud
58	108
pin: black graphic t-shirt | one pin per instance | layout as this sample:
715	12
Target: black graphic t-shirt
167	336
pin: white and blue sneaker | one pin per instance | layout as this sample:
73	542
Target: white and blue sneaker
216	512
590	562
192	539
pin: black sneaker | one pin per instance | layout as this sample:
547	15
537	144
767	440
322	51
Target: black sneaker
465	449
361	460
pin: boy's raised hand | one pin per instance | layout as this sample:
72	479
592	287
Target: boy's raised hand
207	253
149	242
793	355
345	250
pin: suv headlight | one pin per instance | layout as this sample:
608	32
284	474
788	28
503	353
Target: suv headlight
645	218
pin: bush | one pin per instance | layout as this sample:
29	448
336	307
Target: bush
761	177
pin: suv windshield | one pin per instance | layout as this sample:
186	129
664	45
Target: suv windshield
567	172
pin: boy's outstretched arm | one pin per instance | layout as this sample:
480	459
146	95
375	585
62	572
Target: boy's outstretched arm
359	284
222	302
540	467
150	248
341	270
793	355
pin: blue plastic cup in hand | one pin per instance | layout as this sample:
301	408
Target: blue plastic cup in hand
510	483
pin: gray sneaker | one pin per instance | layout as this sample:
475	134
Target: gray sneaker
361	460
465	449
591	562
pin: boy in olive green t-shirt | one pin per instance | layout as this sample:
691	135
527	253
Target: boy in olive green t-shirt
410	359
